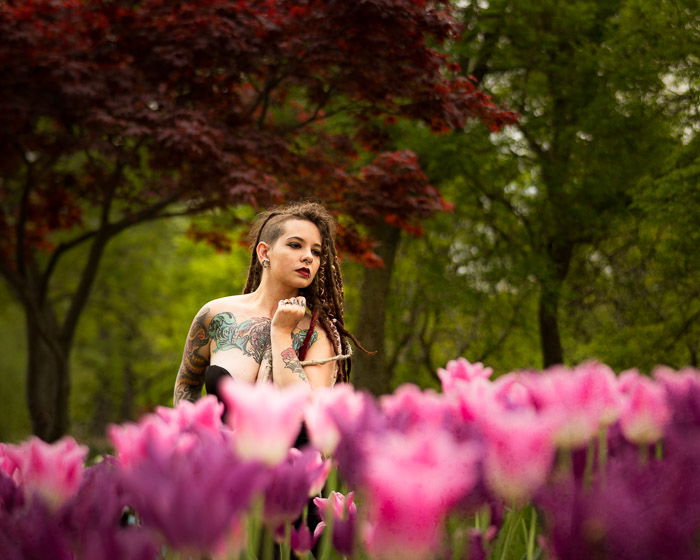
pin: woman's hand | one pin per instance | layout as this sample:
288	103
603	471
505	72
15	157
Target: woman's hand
288	314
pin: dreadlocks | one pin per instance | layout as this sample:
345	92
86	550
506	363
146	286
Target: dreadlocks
325	294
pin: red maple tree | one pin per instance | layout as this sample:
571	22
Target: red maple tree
116	112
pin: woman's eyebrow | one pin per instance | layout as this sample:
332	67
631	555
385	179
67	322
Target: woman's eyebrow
302	239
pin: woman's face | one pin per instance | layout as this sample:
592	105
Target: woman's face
295	256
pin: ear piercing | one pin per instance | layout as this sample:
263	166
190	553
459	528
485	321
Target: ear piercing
265	263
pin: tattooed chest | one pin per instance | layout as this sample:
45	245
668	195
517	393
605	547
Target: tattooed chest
250	336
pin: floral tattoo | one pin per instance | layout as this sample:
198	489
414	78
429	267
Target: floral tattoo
289	357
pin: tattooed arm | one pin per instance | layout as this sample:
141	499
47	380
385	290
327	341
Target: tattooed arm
286	368
195	359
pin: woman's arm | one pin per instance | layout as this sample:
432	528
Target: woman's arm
286	368
195	359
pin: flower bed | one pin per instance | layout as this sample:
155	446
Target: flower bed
565	463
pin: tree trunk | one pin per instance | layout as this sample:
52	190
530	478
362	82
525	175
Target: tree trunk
550	340
551	285
370	371
49	342
48	379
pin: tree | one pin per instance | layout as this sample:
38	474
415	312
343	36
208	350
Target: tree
115	113
594	122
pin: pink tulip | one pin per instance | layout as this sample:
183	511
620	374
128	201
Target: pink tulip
599	391
168	431
577	401
51	472
408	408
460	370
645	412
320	470
512	393
205	414
151	437
410	483
473	398
319	415
266	420
519	453
7	465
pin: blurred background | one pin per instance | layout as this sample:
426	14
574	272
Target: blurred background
553	222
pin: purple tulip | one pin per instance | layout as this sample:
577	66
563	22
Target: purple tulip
193	499
33	532
10	495
92	518
355	419
639	511
302	540
683	396
290	485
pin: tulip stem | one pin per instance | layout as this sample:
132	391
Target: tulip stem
327	537
659	450
590	459
512	521
644	453
331	481
602	451
286	545
458	533
254	529
268	545
566	462
531	536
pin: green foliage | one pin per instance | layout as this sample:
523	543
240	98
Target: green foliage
128	349
14	421
603	161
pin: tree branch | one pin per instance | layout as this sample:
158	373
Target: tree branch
505	333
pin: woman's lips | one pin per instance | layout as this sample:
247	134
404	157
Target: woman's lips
305	272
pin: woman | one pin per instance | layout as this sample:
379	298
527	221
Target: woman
287	326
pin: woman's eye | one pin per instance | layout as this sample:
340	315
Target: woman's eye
294	245
316	253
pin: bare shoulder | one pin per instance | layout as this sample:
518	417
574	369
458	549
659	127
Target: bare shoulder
321	345
233	304
237	305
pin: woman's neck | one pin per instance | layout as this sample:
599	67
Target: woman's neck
267	295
